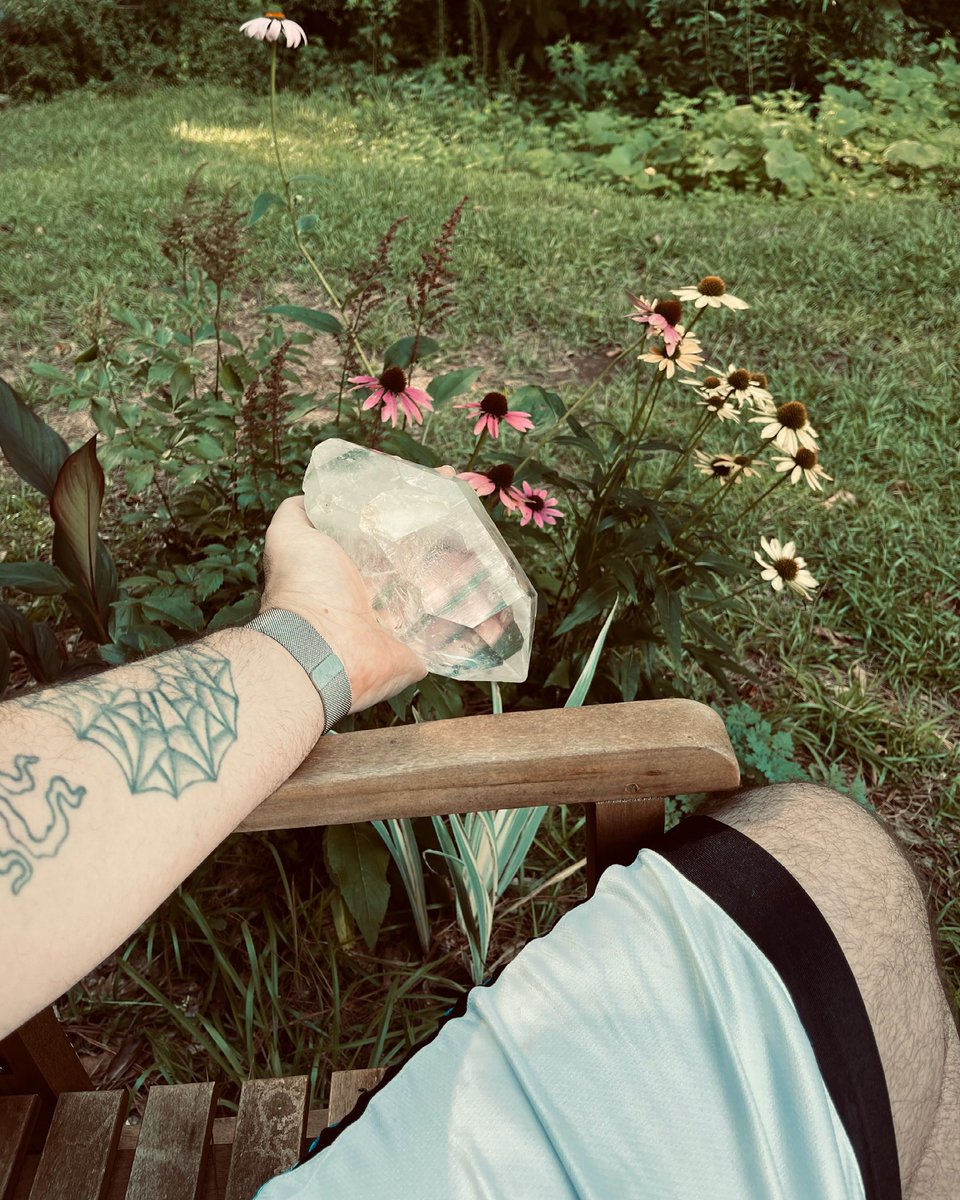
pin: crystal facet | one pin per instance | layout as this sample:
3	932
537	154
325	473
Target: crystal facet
441	577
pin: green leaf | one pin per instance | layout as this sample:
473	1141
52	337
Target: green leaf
180	382
545	408
668	609
398	355
32	448
88	355
582	686
263	203
444	387
307	222
593	601
313	318
789	166
46	371
75	507
913	154
177	609
206	447
357	861
234	614
230	381
39	579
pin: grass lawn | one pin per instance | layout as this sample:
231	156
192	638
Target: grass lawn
854	310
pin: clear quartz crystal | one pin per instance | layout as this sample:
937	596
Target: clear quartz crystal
441	577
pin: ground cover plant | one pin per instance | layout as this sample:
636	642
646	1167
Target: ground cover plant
863	681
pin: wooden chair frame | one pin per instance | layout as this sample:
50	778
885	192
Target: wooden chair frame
60	1139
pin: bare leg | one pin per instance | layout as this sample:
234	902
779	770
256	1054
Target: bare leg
868	893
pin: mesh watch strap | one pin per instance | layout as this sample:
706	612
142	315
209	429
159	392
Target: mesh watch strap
313	654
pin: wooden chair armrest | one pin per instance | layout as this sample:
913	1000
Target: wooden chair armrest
512	760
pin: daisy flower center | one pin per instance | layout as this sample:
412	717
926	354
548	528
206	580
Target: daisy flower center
712	285
501	476
739	380
792	415
494	404
716	401
721	468
393	378
534	502
807	459
275	16
786	568
712	381
672	310
743	460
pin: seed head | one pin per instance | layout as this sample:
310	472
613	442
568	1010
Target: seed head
671	309
394	380
495	404
712	381
740	380
712	285
807	459
792	415
786	568
501	475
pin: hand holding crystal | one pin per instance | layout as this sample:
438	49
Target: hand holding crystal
308	573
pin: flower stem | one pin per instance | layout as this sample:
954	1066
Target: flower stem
293	216
476	450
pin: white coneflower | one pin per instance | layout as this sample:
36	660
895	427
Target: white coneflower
784	567
685	355
789	427
269	27
710	291
748	466
805	463
743	386
720	466
719	402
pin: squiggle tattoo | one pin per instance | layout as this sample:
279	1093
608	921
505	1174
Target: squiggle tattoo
16	827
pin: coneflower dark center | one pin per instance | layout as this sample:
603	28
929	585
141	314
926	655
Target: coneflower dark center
671	309
535	503
394	380
712	381
807	459
712	285
494	404
501	475
786	568
739	380
721	468
792	415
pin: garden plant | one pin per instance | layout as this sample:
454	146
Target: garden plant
639	522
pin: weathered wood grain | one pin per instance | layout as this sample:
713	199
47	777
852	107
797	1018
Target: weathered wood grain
346	1088
511	760
81	1146
17	1115
174	1143
271	1123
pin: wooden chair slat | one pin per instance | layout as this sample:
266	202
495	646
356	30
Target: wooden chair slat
81	1146
511	760
271	1122
346	1087
17	1115
174	1143
617	830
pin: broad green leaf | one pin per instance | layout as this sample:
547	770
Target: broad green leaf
176	609
263	203
357	861
75	507
667	602
789	166
313	318
88	355
206	447
46	371
234	614
593	601
39	579
914	154
30	446
307	222
180	382
230	381
445	387
398	355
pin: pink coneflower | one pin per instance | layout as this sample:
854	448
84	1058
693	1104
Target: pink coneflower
662	316
269	27
540	506
493	409
390	390
500	478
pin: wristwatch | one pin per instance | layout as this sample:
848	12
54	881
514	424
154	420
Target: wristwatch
313	654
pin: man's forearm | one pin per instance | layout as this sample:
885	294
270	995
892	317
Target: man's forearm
113	789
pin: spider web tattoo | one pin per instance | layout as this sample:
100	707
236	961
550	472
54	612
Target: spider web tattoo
166	735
